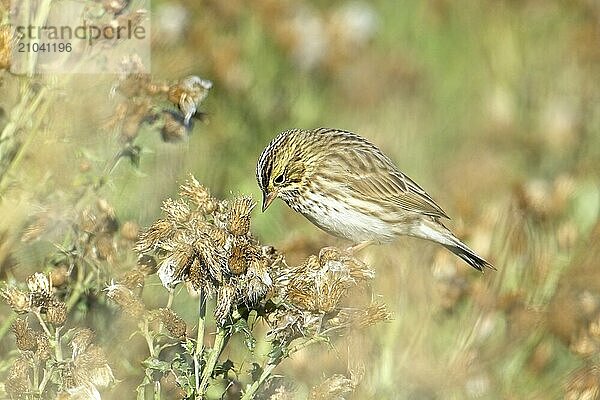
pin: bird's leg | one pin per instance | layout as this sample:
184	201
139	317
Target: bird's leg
359	246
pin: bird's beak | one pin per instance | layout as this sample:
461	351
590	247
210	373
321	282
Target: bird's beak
268	199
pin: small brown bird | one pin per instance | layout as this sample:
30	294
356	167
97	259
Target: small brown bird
346	186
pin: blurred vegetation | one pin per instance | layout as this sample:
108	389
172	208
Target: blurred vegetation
492	106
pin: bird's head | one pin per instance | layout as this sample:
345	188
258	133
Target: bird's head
281	170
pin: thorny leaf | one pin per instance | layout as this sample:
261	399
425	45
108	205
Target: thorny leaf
184	374
241	325
155	364
181	364
189	345
277	353
256	371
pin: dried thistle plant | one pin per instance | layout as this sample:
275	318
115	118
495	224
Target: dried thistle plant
206	244
42	370
336	387
142	104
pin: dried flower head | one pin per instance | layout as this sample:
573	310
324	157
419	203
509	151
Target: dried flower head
82	338
309	297
17	380
237	261
199	195
17	300
258	274
130	230
59	276
238	219
128	301
134	79
226	298
56	313
320	282
44	349
351	318
207	244
188	93
90	368
24	335
174	127
104	247
134	279
40	291
288	324
173	322
133	116
336	387
156	237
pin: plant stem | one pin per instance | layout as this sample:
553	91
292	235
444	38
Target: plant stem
45	379
213	357
306	343
170	299
157	390
268	369
80	286
43	324
199	339
28	110
251	392
57	345
148	337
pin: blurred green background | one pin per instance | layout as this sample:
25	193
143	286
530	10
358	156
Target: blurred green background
492	106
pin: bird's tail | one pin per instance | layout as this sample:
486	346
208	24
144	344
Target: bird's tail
469	256
435	231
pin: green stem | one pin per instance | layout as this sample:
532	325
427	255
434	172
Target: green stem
306	343
43	324
148	337
268	369
57	345
211	362
29	109
45	379
141	389
36	377
140	392
170	299
157	390
199	339
80	286
251	392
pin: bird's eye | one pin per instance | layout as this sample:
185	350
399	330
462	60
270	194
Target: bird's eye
279	179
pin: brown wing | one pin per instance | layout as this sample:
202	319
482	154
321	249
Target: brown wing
353	161
398	189
375	177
